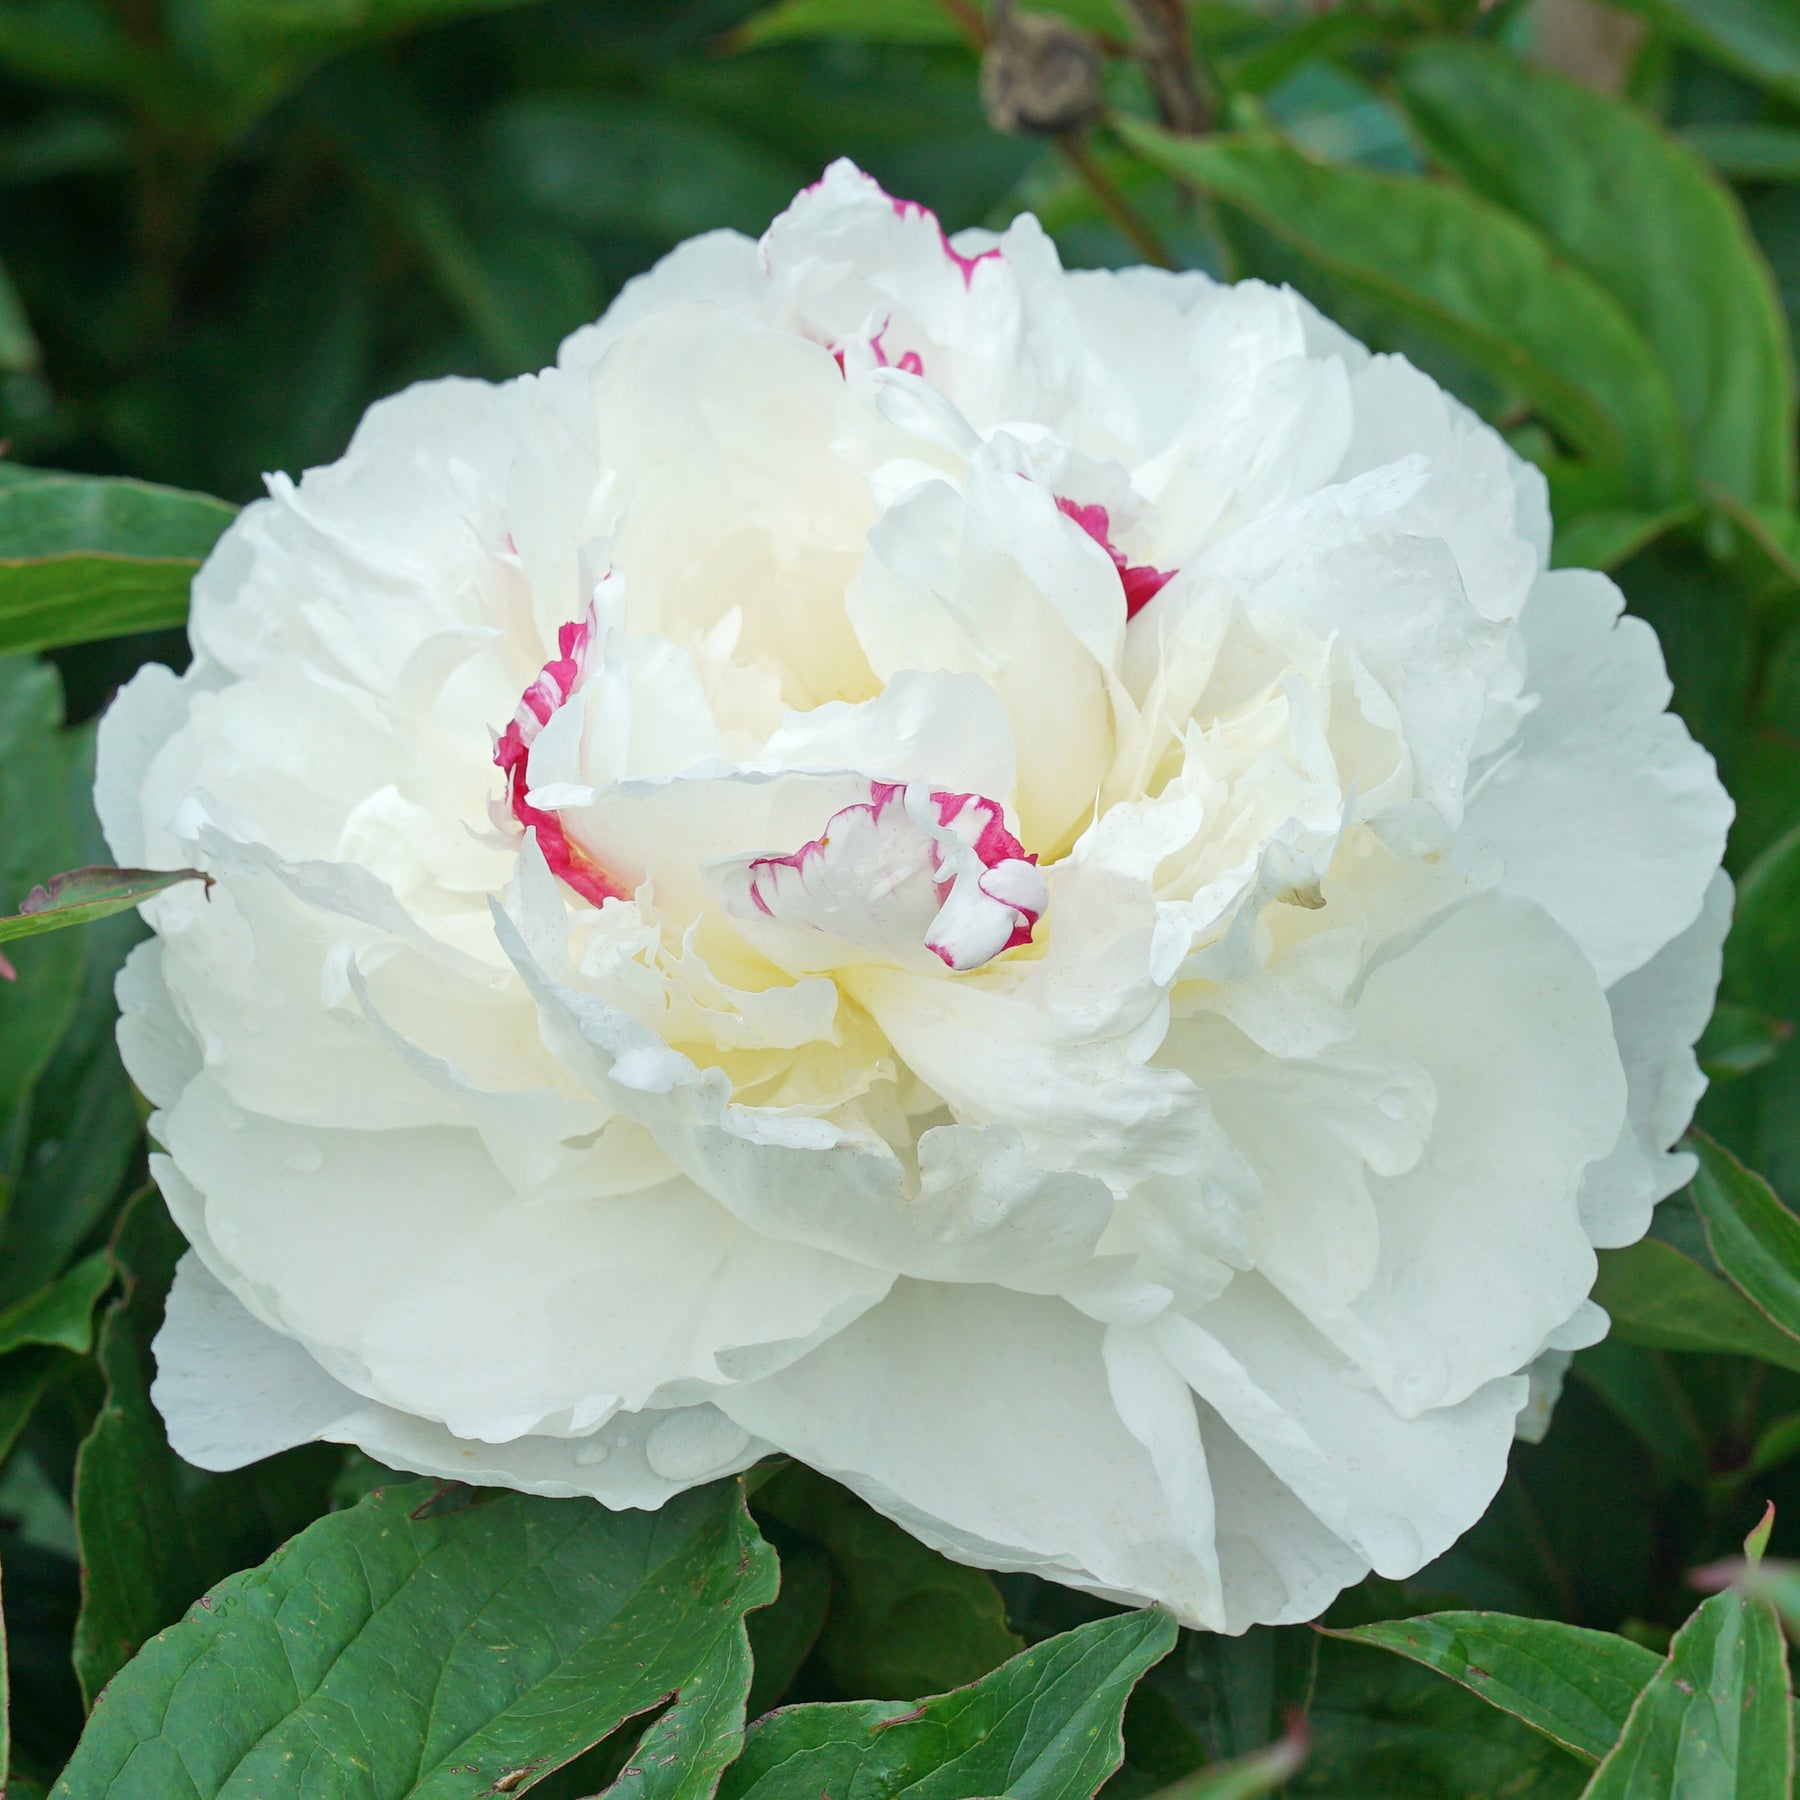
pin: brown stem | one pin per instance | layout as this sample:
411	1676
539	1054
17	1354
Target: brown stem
1137	229
968	16
1159	40
1075	151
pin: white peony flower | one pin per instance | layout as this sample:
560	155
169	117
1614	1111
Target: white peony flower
1070	928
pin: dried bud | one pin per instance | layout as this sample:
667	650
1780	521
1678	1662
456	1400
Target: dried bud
1040	76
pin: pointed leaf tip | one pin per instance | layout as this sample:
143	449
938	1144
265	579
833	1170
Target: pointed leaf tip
1758	1540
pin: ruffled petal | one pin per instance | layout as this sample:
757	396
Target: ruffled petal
1607	813
1659	1012
279	1397
1481	1251
983	1422
1397	1491
408	1263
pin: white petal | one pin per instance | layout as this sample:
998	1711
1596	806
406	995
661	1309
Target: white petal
1607	813
982	1421
1397	1491
976	1209
231	1391
1482	1249
1659	1012
719	268
407	1263
1485	501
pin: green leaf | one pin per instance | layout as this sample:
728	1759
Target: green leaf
18	347
155	1533
83	557
904	1621
1575	1686
1244	1689
1762	954
83	895
896	21
1044	1726
1775	1444
1484	283
5	1706
683	1754
25	1377
633	165
1665	1301
1776	1582
1747	152
1386	1729
503	1637
62	1314
1754	1238
1643	1391
1715	1722
1604	539
1758	38
874	21
1642	215
76	1133
396	148
1245	1777
1739	1040
34	836
782	1635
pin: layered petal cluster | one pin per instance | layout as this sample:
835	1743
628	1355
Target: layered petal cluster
1018	884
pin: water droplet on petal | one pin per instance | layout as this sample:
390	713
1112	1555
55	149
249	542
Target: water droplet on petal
595	1450
304	1159
691	1444
1395	1102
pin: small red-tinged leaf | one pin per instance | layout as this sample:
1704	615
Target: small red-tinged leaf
1758	1540
1715	1722
83	895
1247	1777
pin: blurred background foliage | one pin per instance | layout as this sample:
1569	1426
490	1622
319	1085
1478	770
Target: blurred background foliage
227	225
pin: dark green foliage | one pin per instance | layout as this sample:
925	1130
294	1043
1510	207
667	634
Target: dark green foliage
225	227
506	1635
154	1533
1045	1726
902	1621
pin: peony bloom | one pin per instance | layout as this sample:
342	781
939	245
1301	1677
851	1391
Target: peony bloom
1015	884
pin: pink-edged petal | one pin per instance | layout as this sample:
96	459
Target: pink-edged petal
556	685
911	867
1141	582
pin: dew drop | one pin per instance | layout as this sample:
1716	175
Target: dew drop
304	1159
1393	1102
595	1450
693	1443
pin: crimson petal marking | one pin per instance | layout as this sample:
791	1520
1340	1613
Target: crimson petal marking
558	681
986	889
917	209
1141	582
